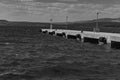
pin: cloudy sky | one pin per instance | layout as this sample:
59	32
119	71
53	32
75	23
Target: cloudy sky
43	10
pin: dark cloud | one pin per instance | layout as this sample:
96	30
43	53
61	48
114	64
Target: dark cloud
10	2
100	1
65	1
48	1
83	1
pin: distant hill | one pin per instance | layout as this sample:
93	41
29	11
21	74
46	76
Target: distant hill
23	23
101	20
14	23
105	25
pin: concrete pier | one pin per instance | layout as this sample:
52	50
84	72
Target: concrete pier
88	36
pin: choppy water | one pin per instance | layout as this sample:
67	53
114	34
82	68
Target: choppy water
49	58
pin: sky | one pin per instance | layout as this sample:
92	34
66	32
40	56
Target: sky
44	10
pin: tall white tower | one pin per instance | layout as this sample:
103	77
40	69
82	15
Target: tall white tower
51	25
97	26
66	22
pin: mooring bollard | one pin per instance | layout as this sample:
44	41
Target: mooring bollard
78	36
105	41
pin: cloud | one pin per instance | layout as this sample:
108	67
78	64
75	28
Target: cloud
58	9
69	0
82	1
30	8
112	11
26	0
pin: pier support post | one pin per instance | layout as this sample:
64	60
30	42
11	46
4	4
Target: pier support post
82	37
108	45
